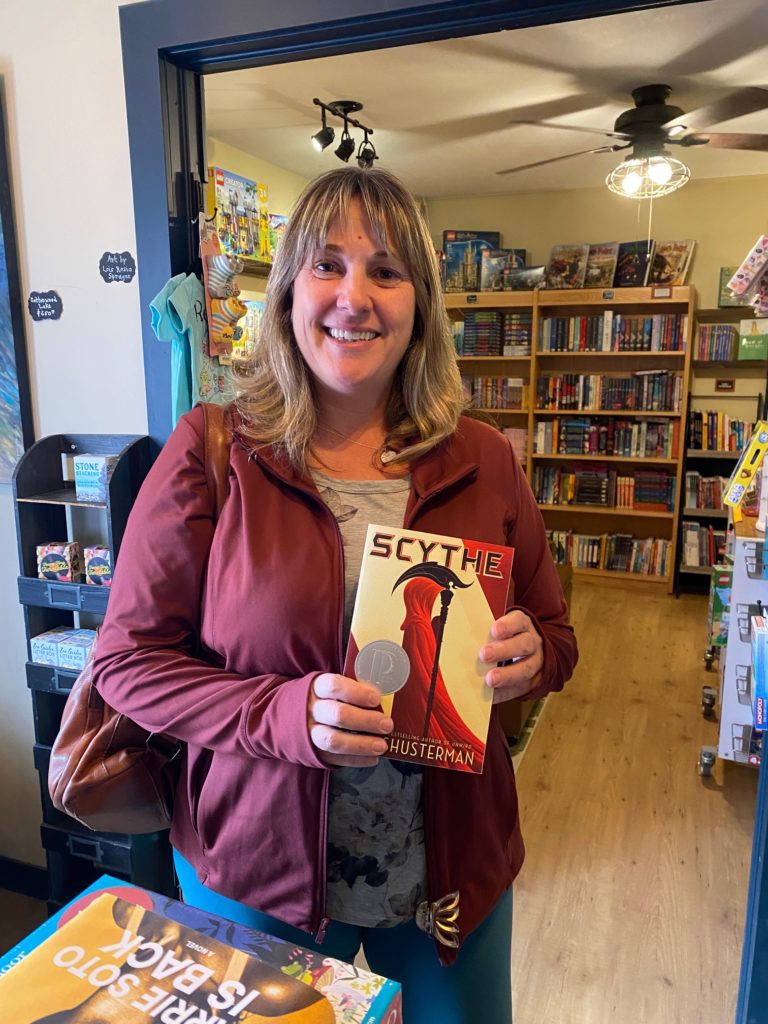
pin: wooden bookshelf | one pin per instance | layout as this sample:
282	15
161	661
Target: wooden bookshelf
577	303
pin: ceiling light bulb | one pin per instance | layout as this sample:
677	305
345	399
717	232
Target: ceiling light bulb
659	171
631	184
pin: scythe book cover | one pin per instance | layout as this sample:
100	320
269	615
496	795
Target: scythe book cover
424	608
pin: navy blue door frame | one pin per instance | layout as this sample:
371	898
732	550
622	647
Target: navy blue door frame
167	45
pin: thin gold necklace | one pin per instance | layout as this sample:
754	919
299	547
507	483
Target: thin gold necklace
385	454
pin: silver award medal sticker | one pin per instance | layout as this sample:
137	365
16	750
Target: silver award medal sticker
383	663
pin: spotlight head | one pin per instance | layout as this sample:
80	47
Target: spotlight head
322	139
346	147
366	155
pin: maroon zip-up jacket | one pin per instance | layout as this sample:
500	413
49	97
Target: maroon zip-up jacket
265	593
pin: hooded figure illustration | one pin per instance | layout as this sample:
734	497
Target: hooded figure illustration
411	707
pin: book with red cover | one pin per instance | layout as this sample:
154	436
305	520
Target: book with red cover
424	607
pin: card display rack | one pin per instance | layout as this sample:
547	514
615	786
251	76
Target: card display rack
47	510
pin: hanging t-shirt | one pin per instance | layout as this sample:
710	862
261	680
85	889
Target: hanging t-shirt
178	316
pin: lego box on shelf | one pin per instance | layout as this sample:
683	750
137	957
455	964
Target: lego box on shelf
117	949
240	208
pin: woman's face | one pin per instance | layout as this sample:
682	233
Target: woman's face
353	312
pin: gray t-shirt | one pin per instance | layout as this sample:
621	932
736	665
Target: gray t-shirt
376	868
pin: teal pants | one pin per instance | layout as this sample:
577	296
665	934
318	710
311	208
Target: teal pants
477	987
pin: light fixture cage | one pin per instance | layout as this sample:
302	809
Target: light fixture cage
648	177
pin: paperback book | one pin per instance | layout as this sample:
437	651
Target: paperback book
601	264
567	266
424	607
671	261
632	263
190	955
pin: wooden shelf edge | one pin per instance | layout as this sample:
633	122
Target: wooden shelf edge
645	460
602	510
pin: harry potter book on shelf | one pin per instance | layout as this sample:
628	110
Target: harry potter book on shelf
567	266
601	264
632	263
424	608
671	261
118	952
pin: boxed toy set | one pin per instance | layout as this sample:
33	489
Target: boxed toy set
65	647
240	210
60	560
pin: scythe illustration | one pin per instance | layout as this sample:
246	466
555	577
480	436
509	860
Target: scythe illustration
449	581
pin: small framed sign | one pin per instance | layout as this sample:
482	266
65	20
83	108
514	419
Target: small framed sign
45	305
661	292
725	384
117	266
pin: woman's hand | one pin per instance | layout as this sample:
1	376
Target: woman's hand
344	725
515	640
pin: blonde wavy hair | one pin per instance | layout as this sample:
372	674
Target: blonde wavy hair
275	387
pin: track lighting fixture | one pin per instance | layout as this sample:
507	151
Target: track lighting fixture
322	139
366	154
343	109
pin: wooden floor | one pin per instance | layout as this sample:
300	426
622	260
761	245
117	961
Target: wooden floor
630	906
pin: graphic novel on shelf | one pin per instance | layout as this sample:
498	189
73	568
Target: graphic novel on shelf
567	266
120	952
632	263
424	608
671	262
601	264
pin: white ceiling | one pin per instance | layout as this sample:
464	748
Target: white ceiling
441	111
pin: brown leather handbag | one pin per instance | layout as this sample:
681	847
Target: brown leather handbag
105	770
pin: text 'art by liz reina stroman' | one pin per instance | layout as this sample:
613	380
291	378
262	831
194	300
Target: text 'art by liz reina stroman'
424	608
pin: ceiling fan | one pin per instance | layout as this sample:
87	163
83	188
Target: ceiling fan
652	124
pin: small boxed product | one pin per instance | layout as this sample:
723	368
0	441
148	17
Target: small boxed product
44	647
719	605
463	257
118	952
59	560
98	565
92	473
759	637
72	652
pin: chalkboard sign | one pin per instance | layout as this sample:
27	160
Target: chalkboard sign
45	305
117	266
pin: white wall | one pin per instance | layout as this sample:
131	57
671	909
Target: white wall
68	139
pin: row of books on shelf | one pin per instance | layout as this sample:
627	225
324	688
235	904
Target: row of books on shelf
703	545
495	392
640	439
704	491
610	331
595	484
619	264
723	342
714	431
473	260
493	333
644	391
613	552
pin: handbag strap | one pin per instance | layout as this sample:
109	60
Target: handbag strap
218	441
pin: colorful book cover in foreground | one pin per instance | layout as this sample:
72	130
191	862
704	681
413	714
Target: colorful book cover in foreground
355	995
424	608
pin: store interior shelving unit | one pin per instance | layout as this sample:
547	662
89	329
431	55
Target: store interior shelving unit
589	519
47	510
749	380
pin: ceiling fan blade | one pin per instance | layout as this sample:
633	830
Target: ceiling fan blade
726	140
573	128
556	159
736	104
